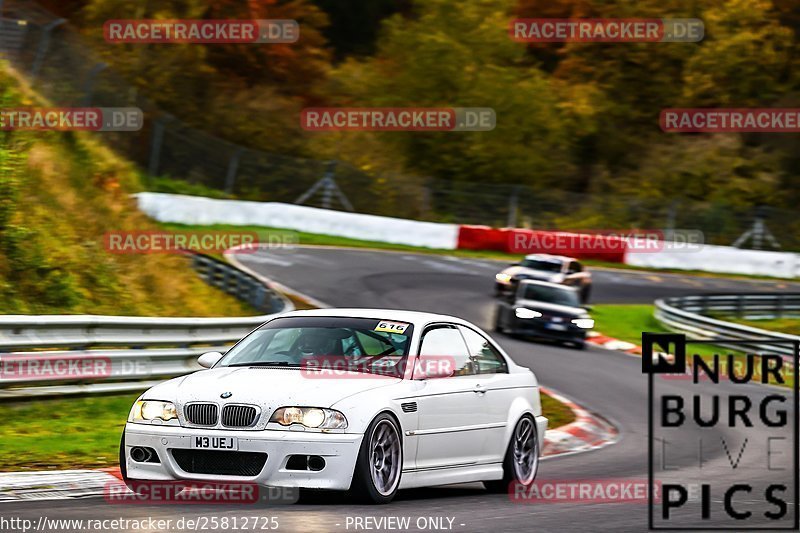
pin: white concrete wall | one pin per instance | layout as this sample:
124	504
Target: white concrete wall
203	211
722	259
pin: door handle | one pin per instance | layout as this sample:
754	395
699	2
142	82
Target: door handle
479	389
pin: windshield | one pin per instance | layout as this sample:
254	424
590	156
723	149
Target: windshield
353	344
539	264
553	295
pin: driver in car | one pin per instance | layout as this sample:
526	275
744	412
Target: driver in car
316	342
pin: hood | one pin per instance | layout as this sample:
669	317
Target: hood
548	309
268	388
528	273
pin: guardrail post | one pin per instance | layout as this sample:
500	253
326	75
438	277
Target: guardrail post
233	168
740	306
513	207
155	145
88	87
44	44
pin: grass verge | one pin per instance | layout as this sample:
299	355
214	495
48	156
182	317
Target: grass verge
84	432
627	322
783	325
63	433
60	193
556	412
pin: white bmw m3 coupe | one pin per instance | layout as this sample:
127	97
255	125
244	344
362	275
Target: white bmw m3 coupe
365	400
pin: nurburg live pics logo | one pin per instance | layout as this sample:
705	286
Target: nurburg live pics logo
731	430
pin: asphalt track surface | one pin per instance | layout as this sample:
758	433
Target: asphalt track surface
609	383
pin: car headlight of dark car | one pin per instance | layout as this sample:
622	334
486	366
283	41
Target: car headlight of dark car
583	322
524	313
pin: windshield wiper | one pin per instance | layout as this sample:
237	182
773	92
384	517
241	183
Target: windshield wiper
268	363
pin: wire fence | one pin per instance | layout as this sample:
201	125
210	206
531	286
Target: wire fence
65	70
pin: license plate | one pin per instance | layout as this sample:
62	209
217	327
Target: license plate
557	327
215	443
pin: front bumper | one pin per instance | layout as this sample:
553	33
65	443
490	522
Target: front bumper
340	451
545	330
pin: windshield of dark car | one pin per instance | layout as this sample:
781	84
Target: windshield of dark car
347	344
553	295
539	264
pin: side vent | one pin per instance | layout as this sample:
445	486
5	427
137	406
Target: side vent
409	407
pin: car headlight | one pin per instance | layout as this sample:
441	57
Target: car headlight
502	278
147	410
310	417
522	312
583	323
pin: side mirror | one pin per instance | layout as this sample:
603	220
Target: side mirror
209	359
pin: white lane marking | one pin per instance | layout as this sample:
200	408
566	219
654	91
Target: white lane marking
315	260
473	262
444	267
263	259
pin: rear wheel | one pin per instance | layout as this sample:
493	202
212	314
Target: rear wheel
521	462
380	462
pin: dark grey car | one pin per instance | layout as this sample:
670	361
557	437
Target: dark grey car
544	310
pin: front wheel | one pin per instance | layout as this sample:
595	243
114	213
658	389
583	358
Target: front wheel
380	462
123	466
498	327
521	462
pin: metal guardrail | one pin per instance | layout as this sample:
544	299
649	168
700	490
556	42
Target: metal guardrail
690	315
237	283
78	354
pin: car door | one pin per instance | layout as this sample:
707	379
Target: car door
498	392
450	431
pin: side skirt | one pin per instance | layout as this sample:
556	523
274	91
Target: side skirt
448	475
